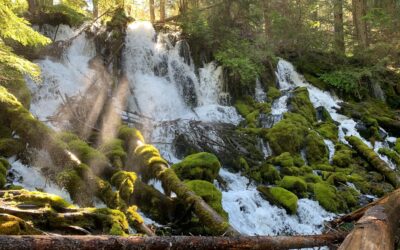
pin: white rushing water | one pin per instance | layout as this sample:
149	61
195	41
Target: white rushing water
167	89
347	125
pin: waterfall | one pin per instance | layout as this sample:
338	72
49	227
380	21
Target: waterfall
152	63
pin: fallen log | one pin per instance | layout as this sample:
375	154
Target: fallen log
176	242
374	160
153	166
378	228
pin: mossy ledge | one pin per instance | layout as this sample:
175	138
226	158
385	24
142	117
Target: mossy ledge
280	197
200	166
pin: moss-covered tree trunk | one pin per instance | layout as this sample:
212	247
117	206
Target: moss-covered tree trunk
155	167
374	160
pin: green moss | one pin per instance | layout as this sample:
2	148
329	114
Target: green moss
343	156
130	136
4	166
114	151
324	167
397	146
337	178
269	174
280	197
372	157
243	165
209	193
114	222
350	196
294	184
328	130
300	103
273	93
124	182
41	199
293	128
12	225
10	146
328	197
200	166
19	89
316	149
283	160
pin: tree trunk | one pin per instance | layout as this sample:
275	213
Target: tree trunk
338	23
359	11
267	22
175	242
378	228
152	13
95	8
32	7
162	11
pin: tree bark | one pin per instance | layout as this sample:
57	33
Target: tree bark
176	243
162	11
338	23
378	227
267	22
152	13
359	11
32	7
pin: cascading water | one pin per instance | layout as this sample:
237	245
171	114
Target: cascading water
62	78
347	126
152	64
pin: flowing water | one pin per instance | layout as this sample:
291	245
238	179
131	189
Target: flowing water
170	94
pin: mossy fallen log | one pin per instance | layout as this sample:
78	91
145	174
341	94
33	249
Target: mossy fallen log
374	160
39	136
378	228
172	243
153	166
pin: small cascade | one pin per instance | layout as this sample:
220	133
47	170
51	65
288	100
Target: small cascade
260	95
331	147
253	215
347	125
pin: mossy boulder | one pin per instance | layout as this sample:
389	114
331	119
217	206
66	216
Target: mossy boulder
343	156
11	146
209	193
316	150
283	160
200	166
273	93
300	103
391	154
280	197
12	225
328	130
328	197
288	135
295	184
266	173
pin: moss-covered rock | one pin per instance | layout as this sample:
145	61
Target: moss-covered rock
328	130
328	198
266	173
316	150
12	225
273	93
295	184
11	146
300	103
280	197
209	193
200	166
293	128
343	156
283	160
